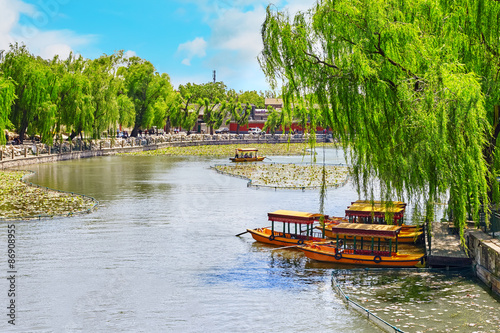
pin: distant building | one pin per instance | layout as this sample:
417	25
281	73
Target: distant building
260	114
276	103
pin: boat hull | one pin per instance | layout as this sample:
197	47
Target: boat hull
263	235
329	254
247	159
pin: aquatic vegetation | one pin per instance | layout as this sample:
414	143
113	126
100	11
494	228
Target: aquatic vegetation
19	200
423	300
228	150
287	175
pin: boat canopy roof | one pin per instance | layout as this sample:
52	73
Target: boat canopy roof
380	203
366	230
366	208
290	216
246	149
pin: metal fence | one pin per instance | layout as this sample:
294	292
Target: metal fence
362	310
495	223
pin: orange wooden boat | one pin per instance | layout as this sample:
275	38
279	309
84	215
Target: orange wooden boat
292	231
408	234
381	250
247	155
378	212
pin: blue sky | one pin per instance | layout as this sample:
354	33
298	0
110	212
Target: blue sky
185	39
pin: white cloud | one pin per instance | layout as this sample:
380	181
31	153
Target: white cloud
42	42
235	40
294	6
195	48
237	30
129	54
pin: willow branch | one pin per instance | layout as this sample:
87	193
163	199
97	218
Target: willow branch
319	61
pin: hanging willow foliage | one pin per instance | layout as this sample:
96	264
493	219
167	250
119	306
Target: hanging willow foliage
7	97
409	86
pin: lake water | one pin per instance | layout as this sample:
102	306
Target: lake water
160	254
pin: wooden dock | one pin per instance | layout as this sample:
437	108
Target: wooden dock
444	249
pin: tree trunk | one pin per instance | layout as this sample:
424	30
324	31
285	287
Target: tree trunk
167	126
135	131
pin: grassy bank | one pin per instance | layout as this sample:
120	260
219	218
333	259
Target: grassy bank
21	201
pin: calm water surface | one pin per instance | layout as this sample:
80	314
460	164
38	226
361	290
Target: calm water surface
160	255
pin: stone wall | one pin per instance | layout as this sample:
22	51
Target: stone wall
485	252
18	163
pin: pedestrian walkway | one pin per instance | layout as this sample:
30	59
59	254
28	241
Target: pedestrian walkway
445	249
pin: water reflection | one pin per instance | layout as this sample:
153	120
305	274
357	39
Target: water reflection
160	254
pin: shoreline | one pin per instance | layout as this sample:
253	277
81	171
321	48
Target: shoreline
11	168
20	156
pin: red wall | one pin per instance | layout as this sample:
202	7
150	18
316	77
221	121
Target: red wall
295	127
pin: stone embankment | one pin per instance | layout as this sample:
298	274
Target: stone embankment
485	252
17	156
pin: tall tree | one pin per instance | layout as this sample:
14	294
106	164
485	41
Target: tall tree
145	87
239	113
214	112
254	98
211	90
104	88
183	113
273	120
34	111
7	98
410	86
75	102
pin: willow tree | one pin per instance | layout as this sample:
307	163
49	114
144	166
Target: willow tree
7	97
273	120
36	88
145	87
411	87
75	102
104	88
239	113
214	112
183	113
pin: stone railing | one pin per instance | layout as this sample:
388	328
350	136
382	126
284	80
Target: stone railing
35	152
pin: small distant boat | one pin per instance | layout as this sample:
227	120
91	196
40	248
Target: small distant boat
380	250
247	155
292	229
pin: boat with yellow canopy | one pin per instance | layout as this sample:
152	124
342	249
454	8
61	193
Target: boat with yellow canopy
247	155
380	250
378	212
287	228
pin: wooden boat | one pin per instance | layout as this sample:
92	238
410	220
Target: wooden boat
364	211
408	234
247	155
377	212
379	251
292	230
